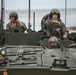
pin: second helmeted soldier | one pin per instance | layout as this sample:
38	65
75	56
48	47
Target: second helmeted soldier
54	17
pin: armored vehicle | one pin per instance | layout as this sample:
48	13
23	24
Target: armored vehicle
34	53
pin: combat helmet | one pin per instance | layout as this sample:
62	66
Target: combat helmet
55	11
13	14
53	39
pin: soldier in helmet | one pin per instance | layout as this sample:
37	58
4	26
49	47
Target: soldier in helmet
54	17
15	22
53	41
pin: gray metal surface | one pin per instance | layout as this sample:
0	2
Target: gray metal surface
37	56
22	38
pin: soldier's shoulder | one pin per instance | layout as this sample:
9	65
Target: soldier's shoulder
46	16
23	23
60	21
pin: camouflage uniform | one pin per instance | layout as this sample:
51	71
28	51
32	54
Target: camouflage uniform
46	19
11	24
62	28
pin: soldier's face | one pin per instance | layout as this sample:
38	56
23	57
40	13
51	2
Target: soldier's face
54	16
12	19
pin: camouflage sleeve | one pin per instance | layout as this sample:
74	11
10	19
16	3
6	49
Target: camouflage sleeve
43	21
8	26
63	27
24	26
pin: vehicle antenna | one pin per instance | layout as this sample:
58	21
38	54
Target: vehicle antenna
29	24
65	11
33	21
2	12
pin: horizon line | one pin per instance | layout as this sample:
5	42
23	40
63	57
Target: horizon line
40	9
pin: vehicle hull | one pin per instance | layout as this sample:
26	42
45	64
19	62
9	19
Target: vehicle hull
37	71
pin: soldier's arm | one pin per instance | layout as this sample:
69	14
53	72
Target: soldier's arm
64	30
23	26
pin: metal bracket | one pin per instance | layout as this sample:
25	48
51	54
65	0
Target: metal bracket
61	63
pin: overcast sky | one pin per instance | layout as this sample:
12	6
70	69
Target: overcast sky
38	4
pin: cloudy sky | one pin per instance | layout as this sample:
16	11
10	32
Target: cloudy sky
38	4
